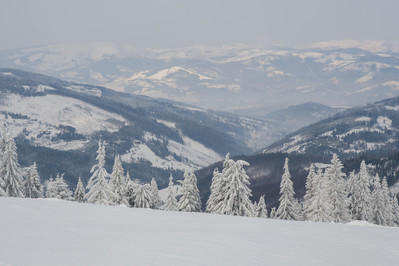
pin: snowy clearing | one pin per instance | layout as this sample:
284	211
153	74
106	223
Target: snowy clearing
54	232
59	110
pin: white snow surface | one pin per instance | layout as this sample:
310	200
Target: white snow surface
55	232
194	153
59	110
384	122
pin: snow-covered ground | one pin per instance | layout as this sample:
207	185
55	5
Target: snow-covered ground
53	232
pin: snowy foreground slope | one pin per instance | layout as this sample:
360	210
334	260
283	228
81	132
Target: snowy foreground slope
53	232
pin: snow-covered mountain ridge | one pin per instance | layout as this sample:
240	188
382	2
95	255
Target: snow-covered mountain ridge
370	128
239	78
51	116
54	232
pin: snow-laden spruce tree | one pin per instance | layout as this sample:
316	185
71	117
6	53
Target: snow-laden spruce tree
260	209
273	213
142	197
171	202
288	208
388	210
32	186
10	170
118	183
395	209
79	192
360	194
98	187
320	207
378	214
237	193
58	188
157	202
189	200
218	187
2	150
3	140
310	191
337	194
215	198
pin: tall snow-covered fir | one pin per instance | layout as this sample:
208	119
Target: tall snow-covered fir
288	208
171	202
310	186
336	191
99	190
118	183
157	202
320	206
32	186
237	193
79	194
10	170
359	190
189	201
218	188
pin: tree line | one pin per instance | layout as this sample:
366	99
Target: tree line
330	196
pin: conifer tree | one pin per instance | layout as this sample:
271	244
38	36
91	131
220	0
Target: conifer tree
189	198
219	187
99	190
310	191
237	193
377	201
320	209
3	140
58	188
260	209
10	171
195	190
395	209
51	190
388	210
273	213
32	186
216	197
142	197
118	183
360	194
287	209
171	202
80	192
157	203
336	191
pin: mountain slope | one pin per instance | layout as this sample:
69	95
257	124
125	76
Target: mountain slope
374	127
53	232
58	123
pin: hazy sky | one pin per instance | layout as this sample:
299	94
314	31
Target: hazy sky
174	23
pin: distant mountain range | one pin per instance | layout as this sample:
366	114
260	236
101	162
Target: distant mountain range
243	79
58	124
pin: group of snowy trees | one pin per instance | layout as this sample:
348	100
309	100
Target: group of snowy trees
330	195
118	189
15	181
102	188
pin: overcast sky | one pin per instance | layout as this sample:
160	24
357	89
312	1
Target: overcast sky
174	23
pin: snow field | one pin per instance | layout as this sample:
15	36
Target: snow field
54	232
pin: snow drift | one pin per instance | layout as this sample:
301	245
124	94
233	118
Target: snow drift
54	232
